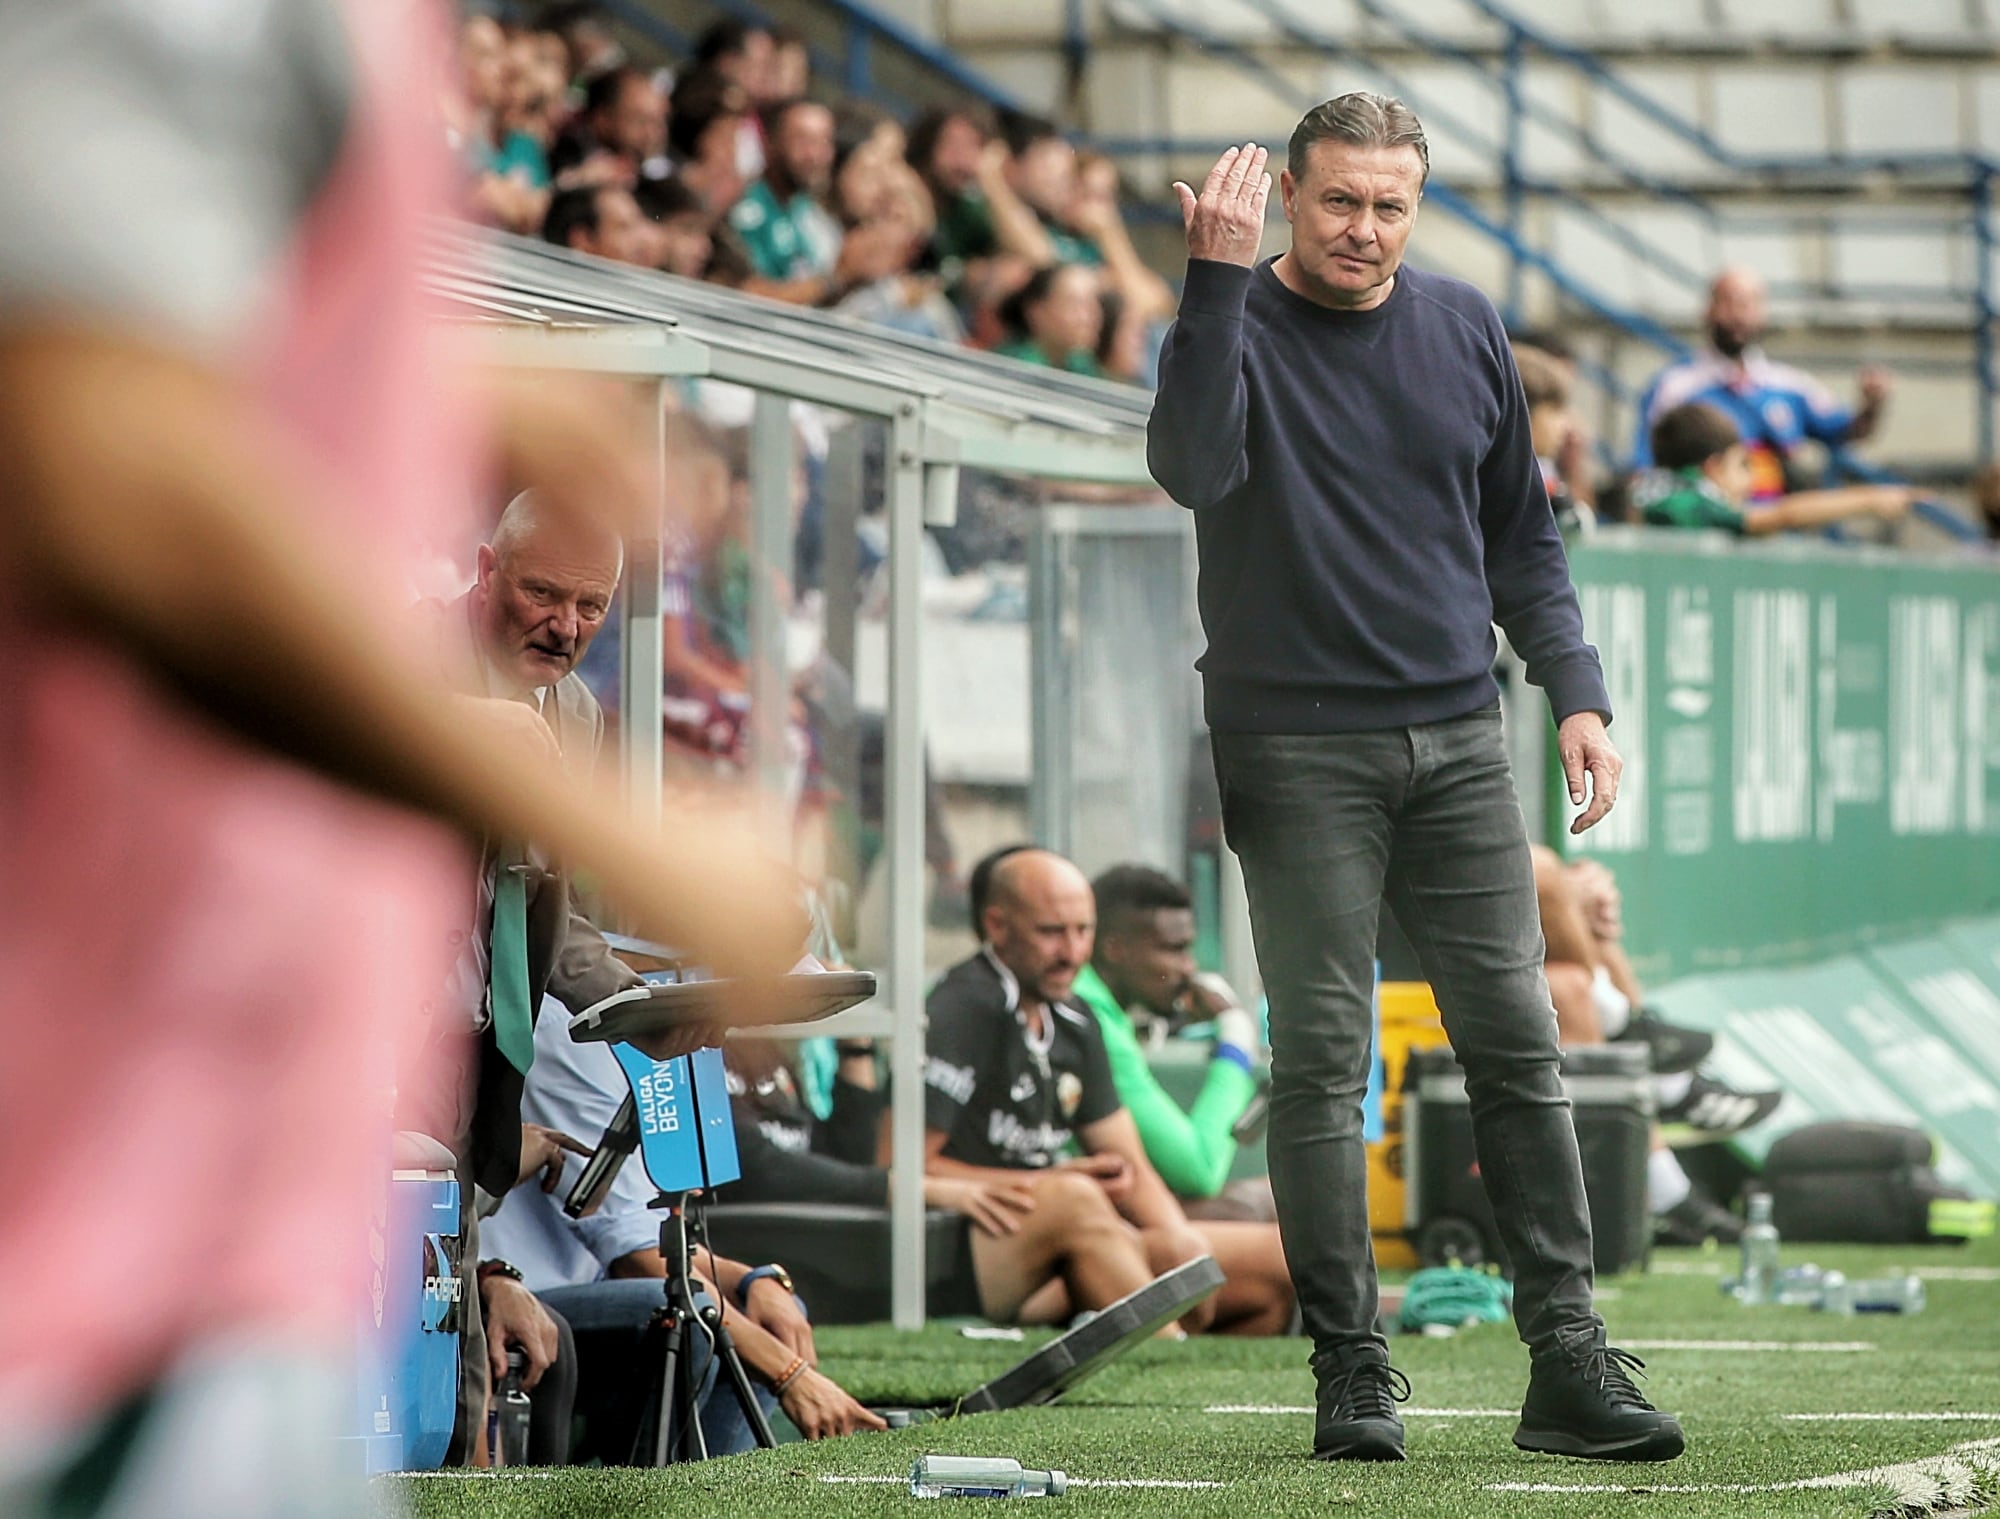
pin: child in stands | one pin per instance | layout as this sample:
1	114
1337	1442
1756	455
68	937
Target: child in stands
1704	479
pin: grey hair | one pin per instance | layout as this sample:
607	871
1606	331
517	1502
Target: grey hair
1365	119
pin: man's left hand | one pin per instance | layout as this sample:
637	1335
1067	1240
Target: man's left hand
1586	750
1876	384
775	1311
515	1318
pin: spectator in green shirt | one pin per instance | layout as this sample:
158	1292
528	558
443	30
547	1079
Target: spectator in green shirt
782	219
1056	319
1703	480
1143	960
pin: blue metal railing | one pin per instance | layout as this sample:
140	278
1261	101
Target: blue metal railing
1971	173
863	29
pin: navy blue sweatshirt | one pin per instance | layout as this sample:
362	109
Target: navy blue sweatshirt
1367	504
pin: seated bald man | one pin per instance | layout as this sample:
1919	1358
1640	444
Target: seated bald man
1017	1081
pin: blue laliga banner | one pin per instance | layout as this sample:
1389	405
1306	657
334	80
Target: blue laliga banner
685	1137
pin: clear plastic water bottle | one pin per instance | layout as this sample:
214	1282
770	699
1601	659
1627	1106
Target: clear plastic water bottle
1836	1293
1888	1294
507	1417
1799	1285
982	1477
1758	1282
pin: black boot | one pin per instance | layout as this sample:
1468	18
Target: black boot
1357	1413
1582	1402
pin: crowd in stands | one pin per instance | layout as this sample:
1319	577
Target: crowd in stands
1729	439
731	168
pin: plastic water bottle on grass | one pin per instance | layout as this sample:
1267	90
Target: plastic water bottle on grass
1758	1283
982	1477
508	1416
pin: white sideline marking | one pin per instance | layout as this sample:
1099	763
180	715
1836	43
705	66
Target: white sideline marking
1831	1347
1896	1418
1928	1273
1932	1467
1075	1482
481	1474
1958	1273
1408	1413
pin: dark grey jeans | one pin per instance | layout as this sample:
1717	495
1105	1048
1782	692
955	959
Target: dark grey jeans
1327	827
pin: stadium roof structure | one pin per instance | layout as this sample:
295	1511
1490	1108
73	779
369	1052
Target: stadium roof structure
539	308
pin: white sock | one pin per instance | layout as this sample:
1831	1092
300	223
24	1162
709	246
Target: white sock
1614	1008
1668	1090
1667	1185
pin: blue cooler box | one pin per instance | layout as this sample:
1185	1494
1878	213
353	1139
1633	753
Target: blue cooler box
406	1386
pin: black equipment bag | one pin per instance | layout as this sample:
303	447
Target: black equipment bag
1863	1184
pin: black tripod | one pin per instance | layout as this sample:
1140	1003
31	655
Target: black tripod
672	1402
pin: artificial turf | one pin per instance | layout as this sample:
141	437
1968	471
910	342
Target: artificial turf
1147	1418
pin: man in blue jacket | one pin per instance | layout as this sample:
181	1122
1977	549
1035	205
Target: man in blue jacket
1351	436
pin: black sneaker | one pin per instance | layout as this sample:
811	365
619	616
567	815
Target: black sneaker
1711	1111
1694	1220
1673	1048
1357	1413
1584	1403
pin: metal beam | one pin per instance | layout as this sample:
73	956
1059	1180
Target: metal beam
634	350
771	465
1028	449
904	815
639	652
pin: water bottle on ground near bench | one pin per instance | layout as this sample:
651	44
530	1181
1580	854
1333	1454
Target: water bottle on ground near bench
1893	1294
1758	1282
508	1415
982	1477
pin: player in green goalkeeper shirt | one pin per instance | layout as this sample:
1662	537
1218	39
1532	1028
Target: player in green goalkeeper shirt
1143	960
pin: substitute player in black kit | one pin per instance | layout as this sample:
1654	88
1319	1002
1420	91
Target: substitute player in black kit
1351	436
1016	1081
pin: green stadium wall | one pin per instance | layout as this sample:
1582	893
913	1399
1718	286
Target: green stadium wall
1808	834
1812	746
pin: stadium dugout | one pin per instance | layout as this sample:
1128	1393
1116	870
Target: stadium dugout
535	307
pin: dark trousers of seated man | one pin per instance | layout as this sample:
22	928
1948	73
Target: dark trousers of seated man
618	1359
552	1400
1328	826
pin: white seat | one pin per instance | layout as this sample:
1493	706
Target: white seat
1450	95
1986	111
1771	111
1571	20
1774	252
1867	256
1928	20
1595	260
1237	20
1637	138
1898	109
1802	23
1665	19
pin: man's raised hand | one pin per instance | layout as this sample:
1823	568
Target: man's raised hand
1226	221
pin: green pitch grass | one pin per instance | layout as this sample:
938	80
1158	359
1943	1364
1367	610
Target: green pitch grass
1146	1418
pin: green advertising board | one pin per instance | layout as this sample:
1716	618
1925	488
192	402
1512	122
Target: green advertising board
1812	745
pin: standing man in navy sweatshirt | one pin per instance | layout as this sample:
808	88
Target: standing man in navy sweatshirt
1351	437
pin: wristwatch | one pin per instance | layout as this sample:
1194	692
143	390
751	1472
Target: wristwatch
758	1274
498	1268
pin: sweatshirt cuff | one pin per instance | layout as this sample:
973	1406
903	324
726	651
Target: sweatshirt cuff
1215	287
1578	686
